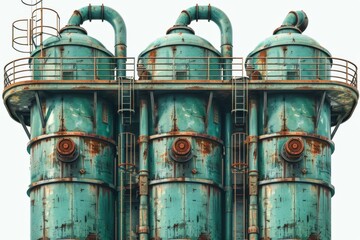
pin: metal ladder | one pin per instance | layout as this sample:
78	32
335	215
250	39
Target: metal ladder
126	99
239	163
240	102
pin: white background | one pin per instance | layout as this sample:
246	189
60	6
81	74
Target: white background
334	24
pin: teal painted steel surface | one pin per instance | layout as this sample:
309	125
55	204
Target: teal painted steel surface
183	180
73	146
294	150
72	199
185	148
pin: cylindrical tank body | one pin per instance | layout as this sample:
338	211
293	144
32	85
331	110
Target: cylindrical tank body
185	150
72	156
294	146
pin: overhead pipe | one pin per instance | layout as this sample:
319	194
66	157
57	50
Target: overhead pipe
113	17
296	20
219	17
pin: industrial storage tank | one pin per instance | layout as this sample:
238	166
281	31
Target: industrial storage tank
294	136
73	147
202	151
183	133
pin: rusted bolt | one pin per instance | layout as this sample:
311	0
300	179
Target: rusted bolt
66	150
304	171
194	171
82	171
181	150
293	149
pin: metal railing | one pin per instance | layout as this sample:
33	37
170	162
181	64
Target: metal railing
189	68
48	68
305	68
104	68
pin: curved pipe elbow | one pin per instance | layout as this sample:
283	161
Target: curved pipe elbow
102	13
296	20
214	14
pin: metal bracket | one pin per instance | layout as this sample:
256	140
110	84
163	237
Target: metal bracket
340	120
265	112
319	109
152	106
253	185
38	103
95	111
211	95
21	119
143	184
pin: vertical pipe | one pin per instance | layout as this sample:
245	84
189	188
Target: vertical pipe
143	171
120	184
228	177
253	171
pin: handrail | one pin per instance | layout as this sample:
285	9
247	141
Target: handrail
194	68
304	68
67	68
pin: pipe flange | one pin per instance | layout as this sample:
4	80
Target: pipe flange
66	150
181	150
293	150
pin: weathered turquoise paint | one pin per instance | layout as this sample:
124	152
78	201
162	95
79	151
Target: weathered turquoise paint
294	197
111	16
171	198
75	200
72	56
186	198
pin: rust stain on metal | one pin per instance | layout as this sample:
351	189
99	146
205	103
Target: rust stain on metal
204	236
92	236
314	236
94	147
206	147
316	147
152	60
262	58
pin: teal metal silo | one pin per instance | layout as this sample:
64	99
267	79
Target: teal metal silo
180	138
73	147
293	137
